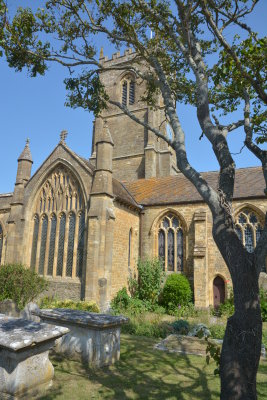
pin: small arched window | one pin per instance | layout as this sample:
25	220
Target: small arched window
171	243
248	228
128	91
1	242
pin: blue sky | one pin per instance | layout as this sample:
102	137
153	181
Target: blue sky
34	108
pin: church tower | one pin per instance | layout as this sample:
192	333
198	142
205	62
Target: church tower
137	153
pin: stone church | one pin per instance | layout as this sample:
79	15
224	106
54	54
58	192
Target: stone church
84	223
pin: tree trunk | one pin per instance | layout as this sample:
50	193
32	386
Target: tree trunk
242	341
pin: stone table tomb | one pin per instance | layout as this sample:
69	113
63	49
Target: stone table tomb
94	339
24	364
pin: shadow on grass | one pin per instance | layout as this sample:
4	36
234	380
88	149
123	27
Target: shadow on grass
141	373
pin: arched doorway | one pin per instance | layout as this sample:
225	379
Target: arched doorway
218	291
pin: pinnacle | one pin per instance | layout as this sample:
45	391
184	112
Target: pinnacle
26	153
104	135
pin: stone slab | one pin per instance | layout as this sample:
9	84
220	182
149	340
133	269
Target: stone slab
81	318
25	367
94	339
184	344
18	333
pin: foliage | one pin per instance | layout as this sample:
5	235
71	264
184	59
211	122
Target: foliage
217	331
185	311
123	303
176	291
20	284
150	280
181	327
227	308
90	306
152	327
213	350
263	302
121	300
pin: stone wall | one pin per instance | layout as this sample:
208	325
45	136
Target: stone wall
126	220
63	289
203	261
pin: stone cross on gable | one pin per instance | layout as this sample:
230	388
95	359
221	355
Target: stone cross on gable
63	136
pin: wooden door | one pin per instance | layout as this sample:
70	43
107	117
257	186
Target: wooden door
218	291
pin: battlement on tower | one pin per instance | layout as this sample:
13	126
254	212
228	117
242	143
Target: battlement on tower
117	58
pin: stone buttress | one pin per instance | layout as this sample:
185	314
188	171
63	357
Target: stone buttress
16	221
101	219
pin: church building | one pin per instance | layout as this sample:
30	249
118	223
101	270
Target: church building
84	223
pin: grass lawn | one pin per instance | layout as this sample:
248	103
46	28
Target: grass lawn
142	373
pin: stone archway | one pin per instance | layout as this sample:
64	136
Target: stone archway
218	291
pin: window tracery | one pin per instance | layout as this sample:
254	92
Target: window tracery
128	91
248	228
171	243
58	226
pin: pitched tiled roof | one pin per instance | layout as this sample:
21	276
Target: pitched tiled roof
122	194
177	189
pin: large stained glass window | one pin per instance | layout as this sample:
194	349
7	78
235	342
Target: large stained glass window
59	208
171	243
248	228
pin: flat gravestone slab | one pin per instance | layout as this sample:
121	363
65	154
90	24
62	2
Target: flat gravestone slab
17	333
82	318
94	339
24	364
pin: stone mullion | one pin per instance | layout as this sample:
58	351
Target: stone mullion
175	250
75	245
66	239
48	234
166	249
56	248
38	245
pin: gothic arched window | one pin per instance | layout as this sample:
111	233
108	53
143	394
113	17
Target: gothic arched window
171	243
248	228
1	242
128	91
57	242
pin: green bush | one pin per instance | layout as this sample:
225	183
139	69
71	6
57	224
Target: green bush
185	311
217	331
20	284
150	280
121	301
90	306
176	291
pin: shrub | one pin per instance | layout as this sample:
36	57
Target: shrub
181	327
182	311
20	284
150	280
90	306
176	291
141	325
121	301
217	331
